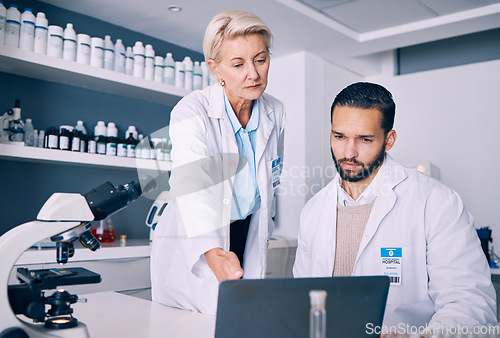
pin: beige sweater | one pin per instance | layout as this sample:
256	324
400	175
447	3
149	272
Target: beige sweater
351	222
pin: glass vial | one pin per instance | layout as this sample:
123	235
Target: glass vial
317	317
104	231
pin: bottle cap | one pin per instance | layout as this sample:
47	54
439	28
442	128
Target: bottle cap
100	129
158	60
28	10
83	38
112	130
96	41
68	128
28	120
56	30
318	298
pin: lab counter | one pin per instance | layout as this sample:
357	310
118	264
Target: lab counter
125	266
113	314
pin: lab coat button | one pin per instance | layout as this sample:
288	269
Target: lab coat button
225	201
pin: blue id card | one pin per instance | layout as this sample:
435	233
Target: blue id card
391	260
276	171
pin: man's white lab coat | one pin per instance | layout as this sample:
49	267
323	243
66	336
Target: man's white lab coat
445	277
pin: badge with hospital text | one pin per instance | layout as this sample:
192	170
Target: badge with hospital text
391	263
276	171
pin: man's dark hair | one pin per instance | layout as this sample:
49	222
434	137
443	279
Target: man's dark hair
367	95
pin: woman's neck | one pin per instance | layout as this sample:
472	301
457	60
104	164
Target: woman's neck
242	108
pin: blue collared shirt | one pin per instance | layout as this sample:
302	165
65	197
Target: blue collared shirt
246	196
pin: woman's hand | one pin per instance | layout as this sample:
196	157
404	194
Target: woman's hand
224	264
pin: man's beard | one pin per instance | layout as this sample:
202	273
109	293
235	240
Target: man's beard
364	172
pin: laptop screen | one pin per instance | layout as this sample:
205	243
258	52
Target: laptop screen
280	307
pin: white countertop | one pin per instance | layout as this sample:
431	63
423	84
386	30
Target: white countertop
111	314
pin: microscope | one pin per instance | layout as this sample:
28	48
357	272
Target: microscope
11	126
64	218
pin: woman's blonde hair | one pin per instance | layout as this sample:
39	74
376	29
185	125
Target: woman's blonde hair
231	24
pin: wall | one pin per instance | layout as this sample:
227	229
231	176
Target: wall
307	86
450	117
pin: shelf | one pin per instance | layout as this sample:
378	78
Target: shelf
44	67
42	155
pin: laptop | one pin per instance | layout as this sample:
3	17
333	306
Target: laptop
280	307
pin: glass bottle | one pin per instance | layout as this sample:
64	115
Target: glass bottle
105	231
317	317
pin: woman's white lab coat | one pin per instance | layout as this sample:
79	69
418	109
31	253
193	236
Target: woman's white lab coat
445	278
205	157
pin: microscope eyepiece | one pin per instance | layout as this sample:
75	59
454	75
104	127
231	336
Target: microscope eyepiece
105	199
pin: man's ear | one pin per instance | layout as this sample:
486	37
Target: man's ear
390	139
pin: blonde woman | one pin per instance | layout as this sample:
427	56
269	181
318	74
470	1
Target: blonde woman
227	153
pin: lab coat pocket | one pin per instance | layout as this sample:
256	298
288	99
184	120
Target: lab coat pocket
414	281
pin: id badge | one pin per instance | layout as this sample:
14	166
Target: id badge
276	171
391	260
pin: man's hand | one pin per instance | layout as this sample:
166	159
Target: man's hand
224	264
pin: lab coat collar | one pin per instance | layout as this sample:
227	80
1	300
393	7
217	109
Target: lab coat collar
266	126
216	107
388	177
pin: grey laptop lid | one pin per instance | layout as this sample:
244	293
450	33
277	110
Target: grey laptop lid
280	307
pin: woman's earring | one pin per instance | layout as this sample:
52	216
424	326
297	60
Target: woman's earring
222	83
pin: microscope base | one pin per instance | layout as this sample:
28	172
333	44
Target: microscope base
38	330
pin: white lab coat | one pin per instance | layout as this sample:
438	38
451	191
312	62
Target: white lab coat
205	155
445	275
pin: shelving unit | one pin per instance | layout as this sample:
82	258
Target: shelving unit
44	67
41	155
